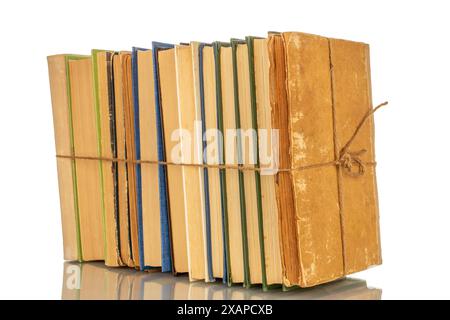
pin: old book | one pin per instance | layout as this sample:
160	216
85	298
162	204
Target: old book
85	137
126	251
212	157
63	128
190	140
197	78
170	119
256	151
130	146
151	219
236	261
105	113
166	246
217	46
137	154
323	83
267	160
247	139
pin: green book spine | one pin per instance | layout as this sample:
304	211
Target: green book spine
94	53
74	170
234	43
223	181
251	64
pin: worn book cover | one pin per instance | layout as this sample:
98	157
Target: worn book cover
125	232
130	146
105	114
320	96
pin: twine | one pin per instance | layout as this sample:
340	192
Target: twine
347	160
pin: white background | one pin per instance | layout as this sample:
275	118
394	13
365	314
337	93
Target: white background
410	68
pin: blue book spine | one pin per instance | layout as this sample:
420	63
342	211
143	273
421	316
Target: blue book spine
166	250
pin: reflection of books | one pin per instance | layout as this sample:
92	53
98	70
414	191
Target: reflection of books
84	281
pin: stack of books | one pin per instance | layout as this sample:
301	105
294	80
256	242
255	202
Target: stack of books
250	161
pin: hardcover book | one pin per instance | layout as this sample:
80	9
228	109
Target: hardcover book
105	113
328	213
63	129
235	254
212	157
190	142
126	248
130	147
268	161
166	246
221	154
137	153
150	226
88	178
170	124
198	79
247	144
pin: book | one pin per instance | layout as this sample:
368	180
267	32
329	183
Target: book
170	121
336	228
268	161
190	139
85	142
212	157
221	153
247	144
137	154
256	149
151	218
230	157
63	129
130	147
166	246
105	113
197	79
125	232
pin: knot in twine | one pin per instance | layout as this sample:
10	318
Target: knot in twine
348	160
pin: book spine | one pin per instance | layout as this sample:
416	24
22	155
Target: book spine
234	43
205	170
137	143
223	182
251	64
166	247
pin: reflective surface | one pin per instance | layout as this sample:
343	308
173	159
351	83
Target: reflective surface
95	281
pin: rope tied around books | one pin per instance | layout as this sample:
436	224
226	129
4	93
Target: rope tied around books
347	160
